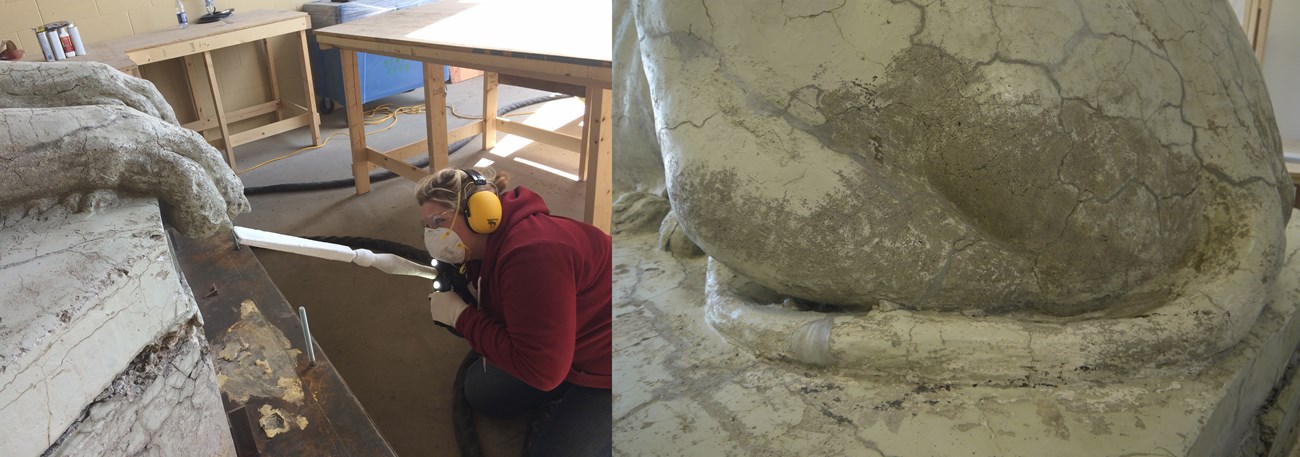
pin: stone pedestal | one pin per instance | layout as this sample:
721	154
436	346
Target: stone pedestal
681	390
100	350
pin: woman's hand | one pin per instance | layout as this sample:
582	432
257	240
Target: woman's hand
446	307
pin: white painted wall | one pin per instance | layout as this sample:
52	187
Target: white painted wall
1281	69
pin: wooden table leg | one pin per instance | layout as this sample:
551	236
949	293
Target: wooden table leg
435	116
310	90
585	150
356	120
489	110
273	80
194	90
221	112
599	210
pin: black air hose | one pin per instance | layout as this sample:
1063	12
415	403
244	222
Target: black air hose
386	175
462	416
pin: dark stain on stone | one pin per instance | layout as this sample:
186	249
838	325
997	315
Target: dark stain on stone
1019	178
930	388
838	418
892	404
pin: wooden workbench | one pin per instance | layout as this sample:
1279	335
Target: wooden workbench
197	42
222	278
565	49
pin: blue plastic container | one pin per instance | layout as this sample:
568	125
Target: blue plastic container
381	76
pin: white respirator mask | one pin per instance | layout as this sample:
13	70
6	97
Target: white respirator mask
445	245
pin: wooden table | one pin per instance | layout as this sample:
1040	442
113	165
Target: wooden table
198	41
222	278
559	46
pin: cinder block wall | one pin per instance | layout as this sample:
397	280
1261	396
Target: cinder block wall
240	72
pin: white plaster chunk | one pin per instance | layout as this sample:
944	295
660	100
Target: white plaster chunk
167	403
84	293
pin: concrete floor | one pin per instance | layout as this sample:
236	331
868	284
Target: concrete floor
376	328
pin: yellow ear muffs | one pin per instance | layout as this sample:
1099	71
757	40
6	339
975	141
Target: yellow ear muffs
482	208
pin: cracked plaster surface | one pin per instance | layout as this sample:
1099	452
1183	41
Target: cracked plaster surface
166	403
680	389
73	134
84	293
1063	158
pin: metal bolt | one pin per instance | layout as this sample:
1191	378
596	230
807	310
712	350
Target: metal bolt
306	336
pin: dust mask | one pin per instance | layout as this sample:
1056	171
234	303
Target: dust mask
445	245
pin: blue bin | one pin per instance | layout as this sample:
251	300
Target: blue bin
381	76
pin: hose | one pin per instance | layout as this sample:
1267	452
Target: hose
462	415
386	175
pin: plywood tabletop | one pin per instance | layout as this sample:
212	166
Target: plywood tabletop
580	31
118	52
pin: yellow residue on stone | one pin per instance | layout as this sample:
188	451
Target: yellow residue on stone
230	351
272	421
221	380
247	308
275	421
257	360
292	389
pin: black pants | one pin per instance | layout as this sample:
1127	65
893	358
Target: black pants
579	427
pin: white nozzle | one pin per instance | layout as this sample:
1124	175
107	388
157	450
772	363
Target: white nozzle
387	263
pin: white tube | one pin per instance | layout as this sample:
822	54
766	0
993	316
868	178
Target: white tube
394	265
45	44
53	38
76	40
387	263
286	243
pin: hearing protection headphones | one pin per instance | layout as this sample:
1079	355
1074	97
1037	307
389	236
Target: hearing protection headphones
482	208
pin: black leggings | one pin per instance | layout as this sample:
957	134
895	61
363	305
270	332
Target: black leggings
579	427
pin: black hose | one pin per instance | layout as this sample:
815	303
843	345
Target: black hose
448	275
386	175
462	415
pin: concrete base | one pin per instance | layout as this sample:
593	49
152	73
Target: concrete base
84	295
681	390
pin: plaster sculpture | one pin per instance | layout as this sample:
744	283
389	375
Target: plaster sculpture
76	130
640	167
90	309
56	84
1038	189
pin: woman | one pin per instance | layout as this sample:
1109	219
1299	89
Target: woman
542	322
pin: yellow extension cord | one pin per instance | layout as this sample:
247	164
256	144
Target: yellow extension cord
378	115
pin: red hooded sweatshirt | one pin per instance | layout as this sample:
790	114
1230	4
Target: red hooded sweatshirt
545	297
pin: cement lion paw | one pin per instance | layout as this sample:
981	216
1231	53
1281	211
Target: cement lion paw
1096	183
54	152
54	84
